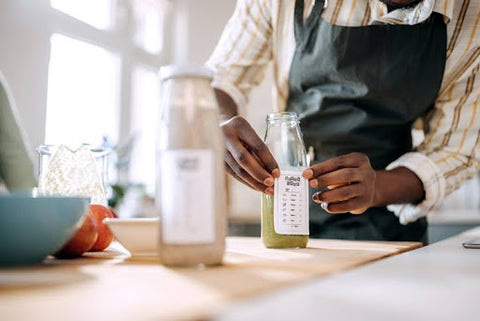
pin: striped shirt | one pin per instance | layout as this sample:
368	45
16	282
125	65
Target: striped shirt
261	31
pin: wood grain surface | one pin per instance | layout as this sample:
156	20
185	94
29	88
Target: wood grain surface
112	286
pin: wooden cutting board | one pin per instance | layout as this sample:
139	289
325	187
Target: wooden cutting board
111	285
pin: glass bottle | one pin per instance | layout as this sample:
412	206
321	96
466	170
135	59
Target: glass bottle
285	214
190	188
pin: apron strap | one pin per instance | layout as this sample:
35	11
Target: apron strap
300	24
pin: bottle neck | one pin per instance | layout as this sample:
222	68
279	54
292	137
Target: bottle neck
288	119
284	139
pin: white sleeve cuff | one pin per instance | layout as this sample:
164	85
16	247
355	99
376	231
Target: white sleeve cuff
433	181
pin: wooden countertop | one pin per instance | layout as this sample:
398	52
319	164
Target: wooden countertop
111	285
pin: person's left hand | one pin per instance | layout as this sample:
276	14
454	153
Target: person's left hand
350	180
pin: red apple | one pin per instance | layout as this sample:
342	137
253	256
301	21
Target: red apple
114	212
105	236
82	241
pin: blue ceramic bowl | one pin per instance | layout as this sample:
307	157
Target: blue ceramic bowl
31	228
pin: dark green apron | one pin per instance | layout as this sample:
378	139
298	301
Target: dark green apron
359	89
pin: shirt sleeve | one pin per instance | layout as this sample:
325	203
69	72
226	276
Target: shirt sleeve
450	153
244	50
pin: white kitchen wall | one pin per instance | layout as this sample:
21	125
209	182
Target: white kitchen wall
24	57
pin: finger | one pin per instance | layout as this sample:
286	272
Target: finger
260	149
234	175
275	172
240	131
338	194
359	211
346	206
268	190
241	174
340	177
353	160
248	162
233	167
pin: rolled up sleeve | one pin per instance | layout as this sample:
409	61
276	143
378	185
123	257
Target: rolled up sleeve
244	50
450	153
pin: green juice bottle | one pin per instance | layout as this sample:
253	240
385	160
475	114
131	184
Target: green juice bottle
285	215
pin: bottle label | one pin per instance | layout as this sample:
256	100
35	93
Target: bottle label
187	196
290	209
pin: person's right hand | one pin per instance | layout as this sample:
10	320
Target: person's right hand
247	158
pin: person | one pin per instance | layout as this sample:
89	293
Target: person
359	73
16	160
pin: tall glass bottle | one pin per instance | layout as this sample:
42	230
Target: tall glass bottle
285	215
190	191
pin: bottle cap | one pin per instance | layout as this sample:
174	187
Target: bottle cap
175	71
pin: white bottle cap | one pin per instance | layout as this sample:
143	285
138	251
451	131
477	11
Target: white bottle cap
174	71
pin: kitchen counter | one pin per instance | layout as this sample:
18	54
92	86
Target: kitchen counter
437	282
111	285
444	224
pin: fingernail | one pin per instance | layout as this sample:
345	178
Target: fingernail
269	191
268	181
333	186
308	173
316	197
276	173
314	183
324	206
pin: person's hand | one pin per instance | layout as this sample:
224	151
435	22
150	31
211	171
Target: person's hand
247	157
350	183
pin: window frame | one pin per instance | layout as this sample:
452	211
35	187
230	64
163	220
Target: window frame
118	39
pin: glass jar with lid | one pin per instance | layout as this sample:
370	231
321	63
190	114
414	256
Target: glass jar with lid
190	188
74	170
285	216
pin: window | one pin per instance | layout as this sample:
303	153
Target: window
145	103
102	84
148	16
98	13
83	109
